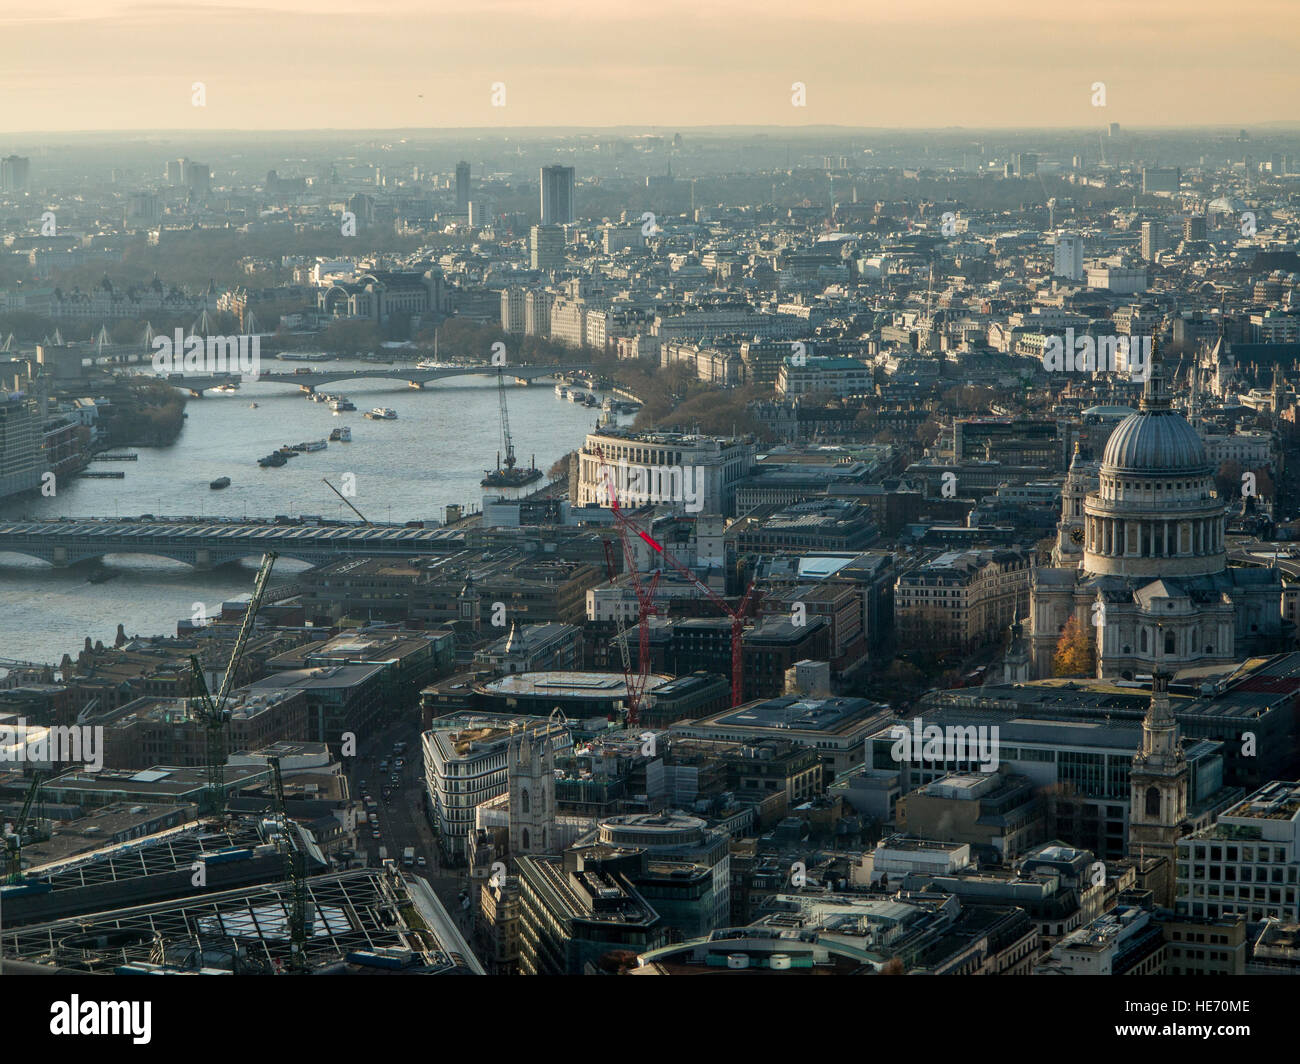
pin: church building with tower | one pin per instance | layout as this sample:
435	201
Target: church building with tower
1140	560
530	774
1158	792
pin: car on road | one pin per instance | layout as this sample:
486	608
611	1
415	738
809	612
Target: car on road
375	834
399	763
421	861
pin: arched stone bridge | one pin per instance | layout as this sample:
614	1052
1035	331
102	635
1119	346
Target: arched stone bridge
417	378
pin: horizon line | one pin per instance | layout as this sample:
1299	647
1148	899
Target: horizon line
1276	124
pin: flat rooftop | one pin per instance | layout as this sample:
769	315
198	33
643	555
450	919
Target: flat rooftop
568	684
797	714
1279	800
320	679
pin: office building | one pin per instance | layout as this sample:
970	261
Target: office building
827	375
1248	863
1157	179
1024	163
557	184
962	598
1152	240
15	173
467	757
462	188
677	846
21	460
546	247
1125	941
837	728
513	309
1067	257
577	909
696	473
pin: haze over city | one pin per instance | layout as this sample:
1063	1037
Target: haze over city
302	64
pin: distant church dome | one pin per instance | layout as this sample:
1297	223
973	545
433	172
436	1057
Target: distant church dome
1225	205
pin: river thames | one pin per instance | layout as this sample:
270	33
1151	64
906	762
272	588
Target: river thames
444	439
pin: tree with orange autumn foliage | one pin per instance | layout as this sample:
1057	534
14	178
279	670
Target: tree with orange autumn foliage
1074	651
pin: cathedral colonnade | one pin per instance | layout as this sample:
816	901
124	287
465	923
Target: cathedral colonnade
1127	537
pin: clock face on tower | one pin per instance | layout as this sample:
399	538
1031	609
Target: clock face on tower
1076	534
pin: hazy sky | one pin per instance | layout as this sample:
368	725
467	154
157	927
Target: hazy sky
294	64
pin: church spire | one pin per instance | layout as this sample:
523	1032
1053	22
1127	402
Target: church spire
1158	787
1161	740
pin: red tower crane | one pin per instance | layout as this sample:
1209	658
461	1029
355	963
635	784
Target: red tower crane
626	527
636	679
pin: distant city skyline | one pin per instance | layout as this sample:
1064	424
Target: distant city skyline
333	64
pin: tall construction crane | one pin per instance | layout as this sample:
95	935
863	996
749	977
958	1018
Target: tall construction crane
14	840
737	615
635	679
507	443
627	527
295	875
213	714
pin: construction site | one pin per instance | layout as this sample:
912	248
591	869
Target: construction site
228	891
219	902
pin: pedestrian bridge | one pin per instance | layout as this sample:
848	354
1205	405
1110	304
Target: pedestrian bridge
312	379
208	543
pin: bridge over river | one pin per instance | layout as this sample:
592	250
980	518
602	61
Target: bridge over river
205	543
311	379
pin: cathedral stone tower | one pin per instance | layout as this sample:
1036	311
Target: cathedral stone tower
1158	790
530	770
1070	530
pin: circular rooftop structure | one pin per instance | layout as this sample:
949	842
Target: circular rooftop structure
1225	205
1156	442
652	830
